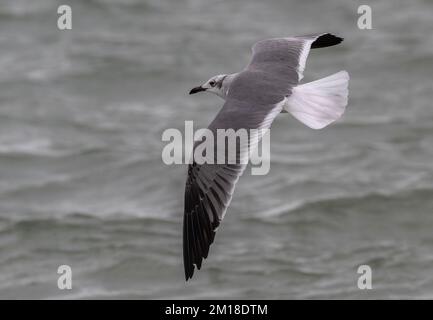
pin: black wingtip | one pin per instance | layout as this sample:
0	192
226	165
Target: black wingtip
326	40
202	216
188	272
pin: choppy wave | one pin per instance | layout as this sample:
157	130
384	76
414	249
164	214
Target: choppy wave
82	181
336	203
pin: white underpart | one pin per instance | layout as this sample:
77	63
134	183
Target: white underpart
319	103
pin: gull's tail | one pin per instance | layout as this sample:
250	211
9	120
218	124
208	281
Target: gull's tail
319	103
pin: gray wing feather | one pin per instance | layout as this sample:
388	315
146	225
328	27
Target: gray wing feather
209	187
285	58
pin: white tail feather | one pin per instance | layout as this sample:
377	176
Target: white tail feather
319	103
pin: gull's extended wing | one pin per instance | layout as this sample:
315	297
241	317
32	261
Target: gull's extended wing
209	187
286	57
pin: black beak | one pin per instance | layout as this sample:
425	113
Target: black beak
197	89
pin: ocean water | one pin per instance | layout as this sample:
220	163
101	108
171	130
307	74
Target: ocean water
82	182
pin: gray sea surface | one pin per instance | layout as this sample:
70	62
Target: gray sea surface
82	182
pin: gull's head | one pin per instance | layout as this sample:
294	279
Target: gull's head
214	85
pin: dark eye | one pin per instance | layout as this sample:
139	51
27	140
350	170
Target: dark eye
212	83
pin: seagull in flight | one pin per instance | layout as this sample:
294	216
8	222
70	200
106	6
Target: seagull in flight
270	84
